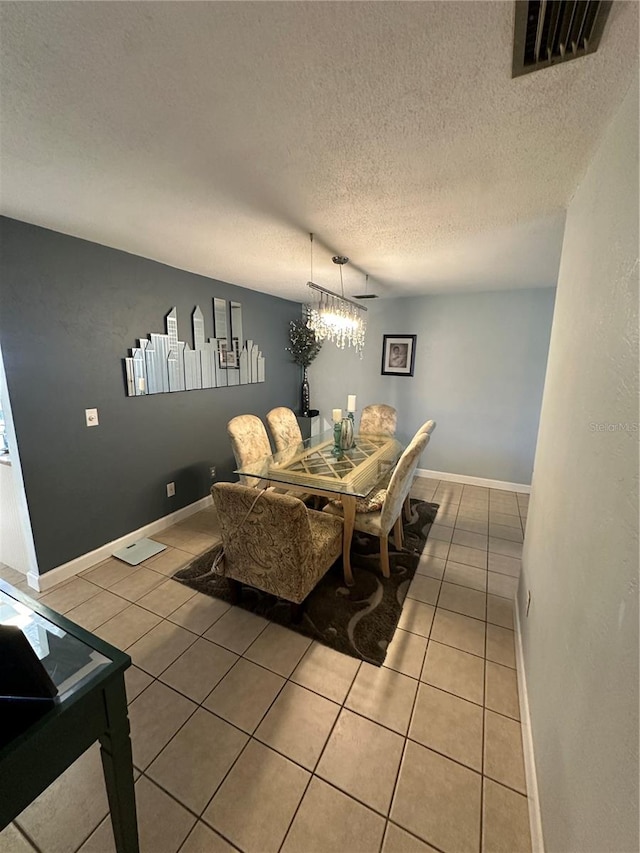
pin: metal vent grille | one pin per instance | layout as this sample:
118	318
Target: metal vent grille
552	31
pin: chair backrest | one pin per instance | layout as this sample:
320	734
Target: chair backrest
401	480
378	419
271	546
284	427
249	442
427	428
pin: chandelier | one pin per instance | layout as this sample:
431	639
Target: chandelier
333	317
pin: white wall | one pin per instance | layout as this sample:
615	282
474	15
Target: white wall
580	640
479	372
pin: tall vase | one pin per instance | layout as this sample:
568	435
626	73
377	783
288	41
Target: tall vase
304	393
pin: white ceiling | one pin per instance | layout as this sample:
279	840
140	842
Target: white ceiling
214	136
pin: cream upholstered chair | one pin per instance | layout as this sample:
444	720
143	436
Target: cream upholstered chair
284	427
427	428
378	419
278	546
380	523
249	442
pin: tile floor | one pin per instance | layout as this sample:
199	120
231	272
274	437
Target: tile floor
248	736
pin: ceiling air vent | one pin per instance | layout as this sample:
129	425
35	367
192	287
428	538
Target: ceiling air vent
551	31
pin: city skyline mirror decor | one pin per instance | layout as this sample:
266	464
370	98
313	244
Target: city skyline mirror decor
162	363
398	355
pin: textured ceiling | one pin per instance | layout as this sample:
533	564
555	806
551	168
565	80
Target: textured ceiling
214	136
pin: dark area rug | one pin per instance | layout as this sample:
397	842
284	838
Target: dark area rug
359	621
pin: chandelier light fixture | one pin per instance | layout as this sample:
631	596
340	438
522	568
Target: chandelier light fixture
332	316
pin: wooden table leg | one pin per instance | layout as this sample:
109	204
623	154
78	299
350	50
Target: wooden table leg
115	750
349	513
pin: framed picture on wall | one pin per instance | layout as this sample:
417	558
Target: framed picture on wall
398	355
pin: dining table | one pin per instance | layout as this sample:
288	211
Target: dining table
317	466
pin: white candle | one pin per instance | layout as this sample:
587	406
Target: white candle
337	416
351	403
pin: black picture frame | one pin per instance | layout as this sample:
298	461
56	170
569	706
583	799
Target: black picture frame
398	355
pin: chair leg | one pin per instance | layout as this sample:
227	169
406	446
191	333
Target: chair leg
407	508
235	589
398	536
297	612
384	556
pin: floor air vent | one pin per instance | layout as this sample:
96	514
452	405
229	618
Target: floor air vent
552	31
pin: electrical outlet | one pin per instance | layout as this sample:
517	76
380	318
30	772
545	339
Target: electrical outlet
171	489
91	417
212	472
528	602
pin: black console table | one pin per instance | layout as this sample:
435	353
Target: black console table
36	748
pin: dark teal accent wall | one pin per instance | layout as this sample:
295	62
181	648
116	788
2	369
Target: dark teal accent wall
69	312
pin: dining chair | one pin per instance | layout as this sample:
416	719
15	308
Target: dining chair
284	427
378	419
427	428
389	516
249	442
274	543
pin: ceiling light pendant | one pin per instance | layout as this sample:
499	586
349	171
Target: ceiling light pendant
335	318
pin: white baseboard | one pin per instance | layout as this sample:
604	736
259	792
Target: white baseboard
67	570
474	481
535	818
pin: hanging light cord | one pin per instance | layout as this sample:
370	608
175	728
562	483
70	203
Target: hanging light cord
311	239
341	283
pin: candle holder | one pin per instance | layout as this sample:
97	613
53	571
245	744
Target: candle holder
353	424
337	436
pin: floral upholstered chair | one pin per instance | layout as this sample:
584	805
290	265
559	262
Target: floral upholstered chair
427	428
381	522
284	428
275	543
378	419
249	442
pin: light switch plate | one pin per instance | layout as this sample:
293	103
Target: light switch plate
91	416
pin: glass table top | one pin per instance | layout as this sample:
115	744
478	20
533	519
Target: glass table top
68	661
312	464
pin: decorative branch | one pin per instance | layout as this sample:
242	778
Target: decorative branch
304	344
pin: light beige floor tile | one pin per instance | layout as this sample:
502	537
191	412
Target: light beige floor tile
500	611
383	696
447	518
505	520
475	513
70	595
128	626
168	562
502	585
438	800
100	841
449	725
236	629
298	724
155	716
424	589
244	695
61	818
454	671
197	671
362	758
397	840
469	556
505	547
505	565
326	671
473	525
501	646
257	800
330	822
136	680
442	532
278	649
108	572
166	598
469	539
139	583
463	599
97	610
11	576
462	632
416	617
201	839
503	531
197	759
501	692
503	503
503	758
173	536
432	567
160	647
199	613
406	653
163	824
505	820
436	548
466	576
11	839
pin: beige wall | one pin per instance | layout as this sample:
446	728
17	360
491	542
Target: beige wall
581	551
